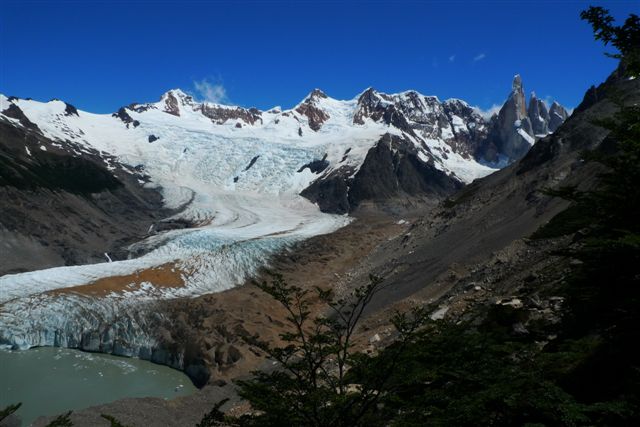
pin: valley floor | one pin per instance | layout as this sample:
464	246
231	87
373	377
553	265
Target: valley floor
209	328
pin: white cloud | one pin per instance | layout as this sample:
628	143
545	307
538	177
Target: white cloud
210	92
452	58
479	57
486	114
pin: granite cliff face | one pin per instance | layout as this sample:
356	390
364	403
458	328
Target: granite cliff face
515	129
557	115
510	135
392	175
538	115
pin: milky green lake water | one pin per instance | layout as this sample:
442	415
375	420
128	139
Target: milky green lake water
51	380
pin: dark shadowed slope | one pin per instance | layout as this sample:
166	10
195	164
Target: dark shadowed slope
61	208
502	208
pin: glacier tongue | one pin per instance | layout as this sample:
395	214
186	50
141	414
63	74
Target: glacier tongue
35	310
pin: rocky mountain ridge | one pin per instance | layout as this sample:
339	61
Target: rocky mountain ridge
499	140
447	136
516	127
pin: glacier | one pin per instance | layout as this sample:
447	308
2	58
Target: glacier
238	181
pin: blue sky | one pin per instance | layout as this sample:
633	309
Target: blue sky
100	55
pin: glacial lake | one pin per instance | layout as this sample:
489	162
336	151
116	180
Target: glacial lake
51	380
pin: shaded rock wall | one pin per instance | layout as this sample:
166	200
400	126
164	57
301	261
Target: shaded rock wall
390	171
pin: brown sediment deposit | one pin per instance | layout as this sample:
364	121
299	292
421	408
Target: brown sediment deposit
164	276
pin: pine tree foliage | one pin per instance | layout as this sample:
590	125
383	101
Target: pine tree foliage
216	417
4	413
625	38
113	421
320	378
63	420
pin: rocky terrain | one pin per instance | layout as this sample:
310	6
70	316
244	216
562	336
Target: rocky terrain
62	209
478	240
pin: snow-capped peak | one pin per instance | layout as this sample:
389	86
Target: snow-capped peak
315	94
175	101
178	93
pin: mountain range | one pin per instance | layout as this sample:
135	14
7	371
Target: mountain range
330	141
